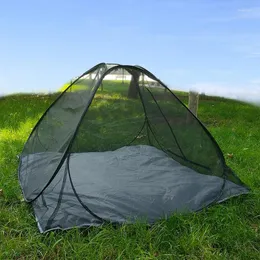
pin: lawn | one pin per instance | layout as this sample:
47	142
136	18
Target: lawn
230	230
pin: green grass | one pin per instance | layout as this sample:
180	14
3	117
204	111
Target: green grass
230	230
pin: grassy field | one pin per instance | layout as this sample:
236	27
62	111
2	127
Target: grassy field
227	231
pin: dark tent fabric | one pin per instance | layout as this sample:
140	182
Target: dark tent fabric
118	146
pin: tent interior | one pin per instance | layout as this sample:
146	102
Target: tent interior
118	146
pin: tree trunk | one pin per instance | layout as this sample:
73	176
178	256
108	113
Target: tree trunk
133	87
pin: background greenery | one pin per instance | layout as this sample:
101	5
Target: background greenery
227	231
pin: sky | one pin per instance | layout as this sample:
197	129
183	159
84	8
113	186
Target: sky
211	46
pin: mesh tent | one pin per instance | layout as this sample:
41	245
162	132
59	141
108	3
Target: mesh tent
118	146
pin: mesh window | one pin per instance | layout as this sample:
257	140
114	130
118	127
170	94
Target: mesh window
113	119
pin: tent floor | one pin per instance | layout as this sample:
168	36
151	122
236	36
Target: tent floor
130	183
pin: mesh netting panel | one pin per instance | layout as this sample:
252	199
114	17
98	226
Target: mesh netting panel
113	119
51	137
175	131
